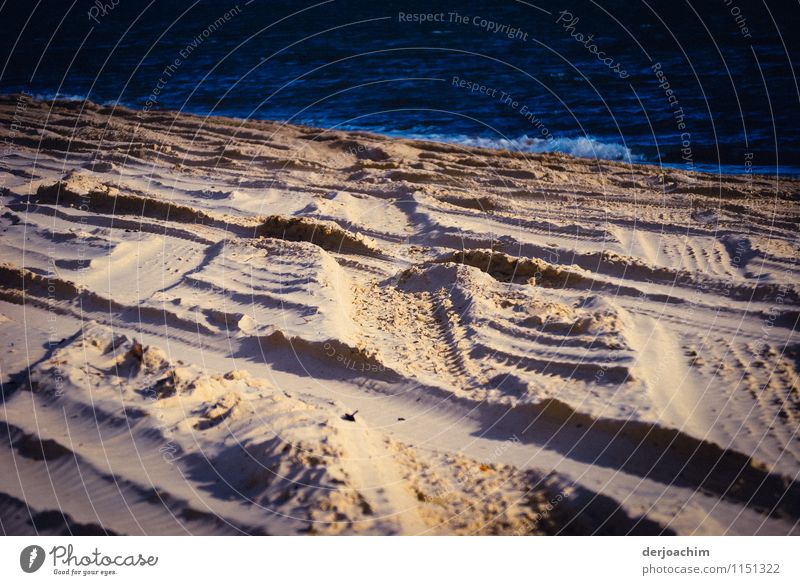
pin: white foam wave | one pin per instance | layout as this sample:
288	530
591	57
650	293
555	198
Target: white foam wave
63	97
583	147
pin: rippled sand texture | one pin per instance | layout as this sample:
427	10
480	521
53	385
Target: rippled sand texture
190	306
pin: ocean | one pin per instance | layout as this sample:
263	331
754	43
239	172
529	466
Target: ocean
699	85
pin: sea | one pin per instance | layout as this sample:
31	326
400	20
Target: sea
703	85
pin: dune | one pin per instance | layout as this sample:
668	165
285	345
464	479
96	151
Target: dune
219	326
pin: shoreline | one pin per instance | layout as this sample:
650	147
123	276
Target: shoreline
458	140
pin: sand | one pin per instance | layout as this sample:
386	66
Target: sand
191	306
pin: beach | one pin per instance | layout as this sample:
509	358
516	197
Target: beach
223	326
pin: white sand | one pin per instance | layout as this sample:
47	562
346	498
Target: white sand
534	344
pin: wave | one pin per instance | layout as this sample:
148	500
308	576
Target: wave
583	147
57	96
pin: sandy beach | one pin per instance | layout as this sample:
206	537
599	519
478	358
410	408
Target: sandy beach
219	326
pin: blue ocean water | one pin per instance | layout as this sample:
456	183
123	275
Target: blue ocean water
705	85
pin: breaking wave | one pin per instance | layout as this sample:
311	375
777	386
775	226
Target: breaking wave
583	147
